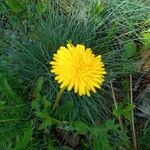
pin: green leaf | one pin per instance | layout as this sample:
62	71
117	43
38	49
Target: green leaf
27	137
124	110
110	125
146	40
47	107
47	103
51	145
35	105
41	7
100	141
40	114
38	87
15	20
129	50
117	112
65	109
81	127
108	136
7	90
145	138
2	103
100	138
97	8
127	111
15	5
128	67
47	122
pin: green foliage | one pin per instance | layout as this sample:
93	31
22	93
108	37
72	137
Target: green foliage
42	107
129	50
38	87
146	40
7	90
97	8
15	5
124	110
100	139
110	133
64	110
145	138
106	136
30	32
13	111
41	7
27	137
81	127
43	41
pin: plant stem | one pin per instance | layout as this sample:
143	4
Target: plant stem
133	126
58	98
115	103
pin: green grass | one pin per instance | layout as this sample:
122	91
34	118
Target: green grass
31	31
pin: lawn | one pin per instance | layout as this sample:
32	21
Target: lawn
74	75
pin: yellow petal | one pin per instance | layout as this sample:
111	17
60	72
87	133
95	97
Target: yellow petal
76	67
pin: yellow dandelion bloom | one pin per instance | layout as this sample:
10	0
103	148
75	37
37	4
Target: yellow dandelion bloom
77	67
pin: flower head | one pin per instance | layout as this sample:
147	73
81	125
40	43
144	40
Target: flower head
77	67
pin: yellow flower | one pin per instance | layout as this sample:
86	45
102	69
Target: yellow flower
77	67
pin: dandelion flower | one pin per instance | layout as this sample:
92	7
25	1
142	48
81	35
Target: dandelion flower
76	67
